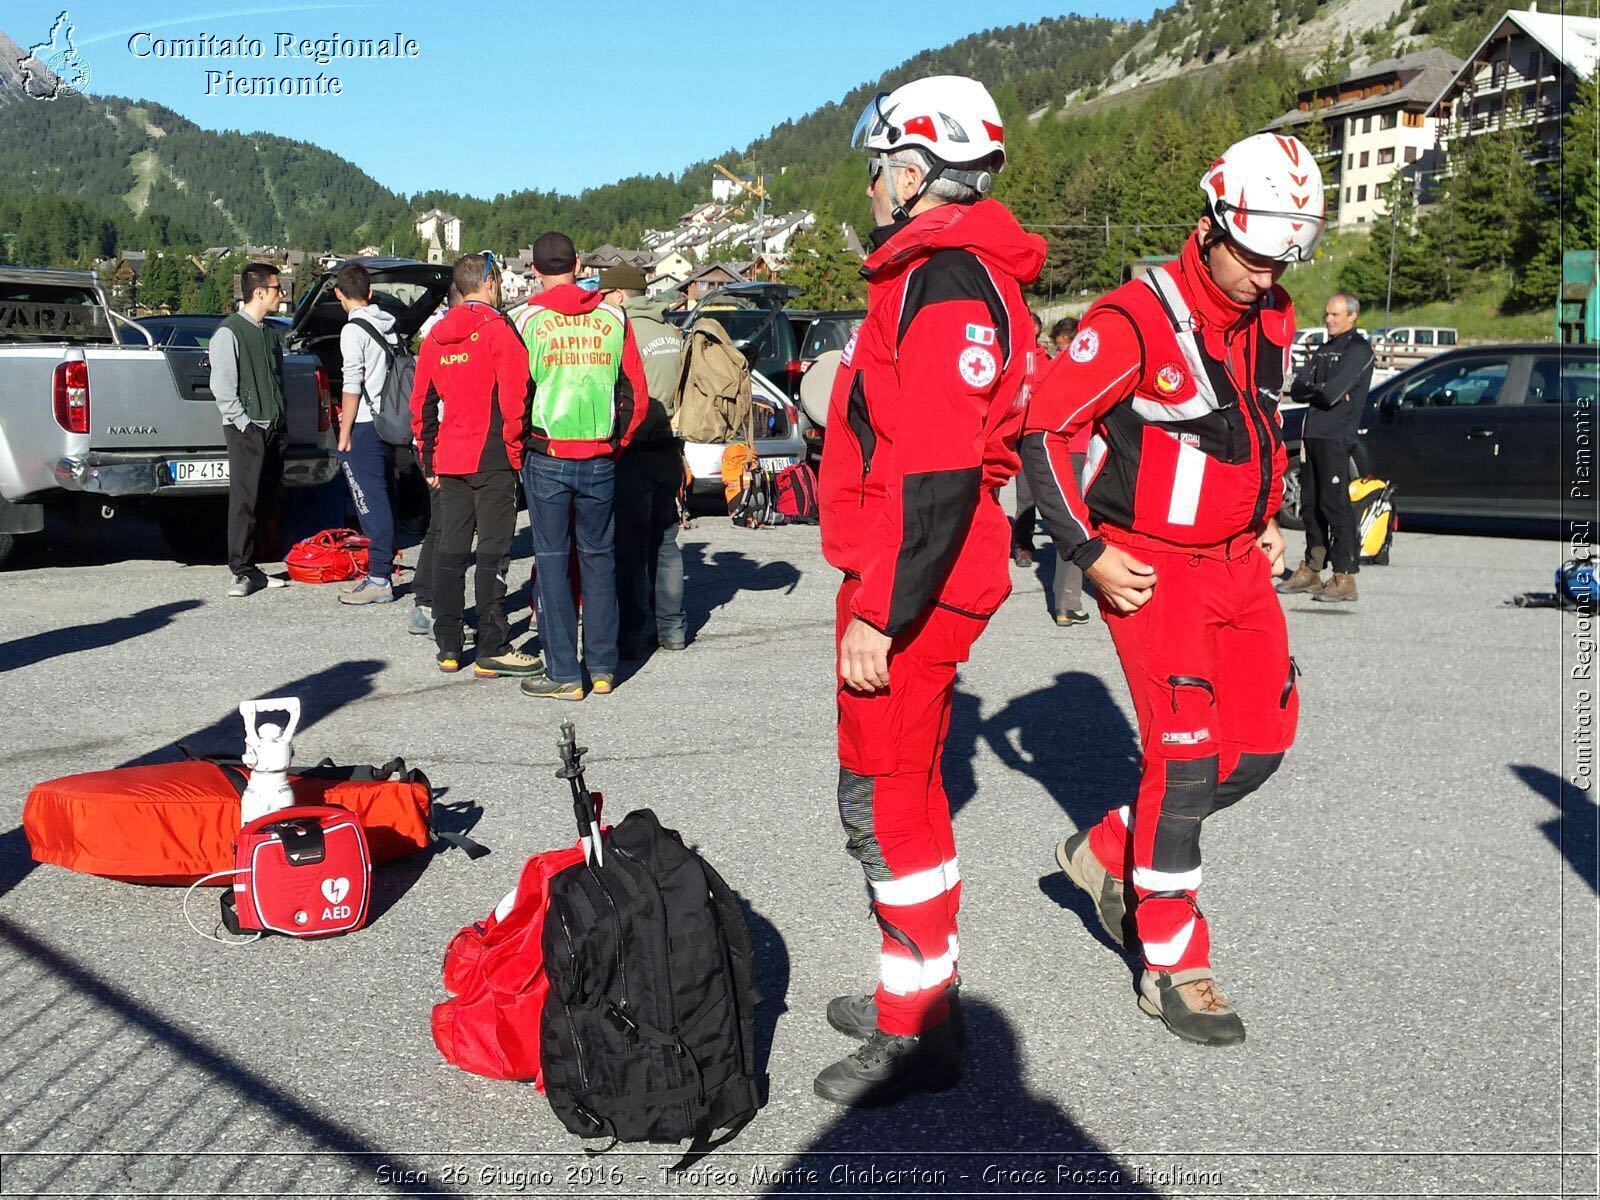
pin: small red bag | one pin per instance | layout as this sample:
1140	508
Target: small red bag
332	556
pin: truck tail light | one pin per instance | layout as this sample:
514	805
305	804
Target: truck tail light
71	396
325	413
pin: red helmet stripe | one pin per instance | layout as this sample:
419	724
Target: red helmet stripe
1217	185
996	132
1291	148
923	126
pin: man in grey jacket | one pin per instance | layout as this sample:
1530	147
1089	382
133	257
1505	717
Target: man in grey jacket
246	380
649	478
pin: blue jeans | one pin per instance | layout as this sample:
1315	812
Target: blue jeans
567	497
369	470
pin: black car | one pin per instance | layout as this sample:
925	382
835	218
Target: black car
1490	434
192	331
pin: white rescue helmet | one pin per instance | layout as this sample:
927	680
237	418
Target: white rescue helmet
950	117
1265	194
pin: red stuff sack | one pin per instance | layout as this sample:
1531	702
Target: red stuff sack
794	494
170	823
494	970
332	556
302	871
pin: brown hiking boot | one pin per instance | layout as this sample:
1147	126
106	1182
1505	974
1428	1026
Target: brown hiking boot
1191	1005
1104	888
1304	579
1341	589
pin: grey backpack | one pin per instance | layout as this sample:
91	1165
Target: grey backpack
391	411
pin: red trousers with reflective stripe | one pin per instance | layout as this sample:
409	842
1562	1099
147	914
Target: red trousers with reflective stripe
893	806
1207	663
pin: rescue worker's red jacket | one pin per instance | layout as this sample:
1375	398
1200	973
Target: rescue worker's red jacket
925	414
469	403
1180	384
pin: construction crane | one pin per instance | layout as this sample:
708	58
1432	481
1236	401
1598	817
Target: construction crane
757	189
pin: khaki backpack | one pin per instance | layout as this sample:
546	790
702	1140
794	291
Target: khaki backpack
713	394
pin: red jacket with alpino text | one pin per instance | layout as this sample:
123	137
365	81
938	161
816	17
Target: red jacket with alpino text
1180	384
925	414
469	404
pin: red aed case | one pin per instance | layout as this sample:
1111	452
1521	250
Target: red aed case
302	871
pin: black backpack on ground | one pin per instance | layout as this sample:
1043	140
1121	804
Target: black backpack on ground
648	1032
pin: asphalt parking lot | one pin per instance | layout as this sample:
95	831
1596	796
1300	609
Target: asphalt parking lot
1405	915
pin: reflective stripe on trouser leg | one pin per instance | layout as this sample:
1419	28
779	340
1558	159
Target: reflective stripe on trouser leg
1166	872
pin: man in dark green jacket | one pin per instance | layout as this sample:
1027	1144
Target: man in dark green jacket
649	478
246	380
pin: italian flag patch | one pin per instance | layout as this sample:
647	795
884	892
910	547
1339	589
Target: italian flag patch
982	335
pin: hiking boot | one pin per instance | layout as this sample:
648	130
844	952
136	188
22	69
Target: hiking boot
1021	556
887	1067
1191	1005
513	662
1341	589
1105	889
857	1016
1304	579
420	622
544	688
1073	616
368	591
449	663
673	646
602	685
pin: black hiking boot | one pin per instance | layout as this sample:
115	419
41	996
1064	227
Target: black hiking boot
886	1068
857	1016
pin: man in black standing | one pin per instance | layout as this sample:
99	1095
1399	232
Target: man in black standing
1334	383
246	380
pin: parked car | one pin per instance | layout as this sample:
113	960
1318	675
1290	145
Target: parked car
1477	435
1428	336
756	320
105	415
98	418
779	443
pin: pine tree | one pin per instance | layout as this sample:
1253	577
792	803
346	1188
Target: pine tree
1572	220
824	269
1490	193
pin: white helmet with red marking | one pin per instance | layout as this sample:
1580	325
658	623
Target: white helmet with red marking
951	117
1265	193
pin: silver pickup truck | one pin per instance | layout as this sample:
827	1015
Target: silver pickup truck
99	415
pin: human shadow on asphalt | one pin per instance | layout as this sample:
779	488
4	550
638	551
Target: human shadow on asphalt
711	583
1573	831
321	694
74	639
772	986
111	1035
990	1121
1070	737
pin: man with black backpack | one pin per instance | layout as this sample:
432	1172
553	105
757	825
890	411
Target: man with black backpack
367	345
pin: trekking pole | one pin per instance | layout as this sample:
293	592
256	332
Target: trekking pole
582	801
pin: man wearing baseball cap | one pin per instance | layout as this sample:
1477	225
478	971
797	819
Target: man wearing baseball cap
589	398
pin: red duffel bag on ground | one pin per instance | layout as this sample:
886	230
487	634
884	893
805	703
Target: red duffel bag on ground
332	556
171	823
494	971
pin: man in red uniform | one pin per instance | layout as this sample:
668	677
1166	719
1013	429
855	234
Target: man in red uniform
922	430
1179	373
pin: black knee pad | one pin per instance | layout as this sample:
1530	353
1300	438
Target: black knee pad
855	814
1253	770
1189	797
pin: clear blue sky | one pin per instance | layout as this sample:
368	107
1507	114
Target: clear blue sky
508	95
